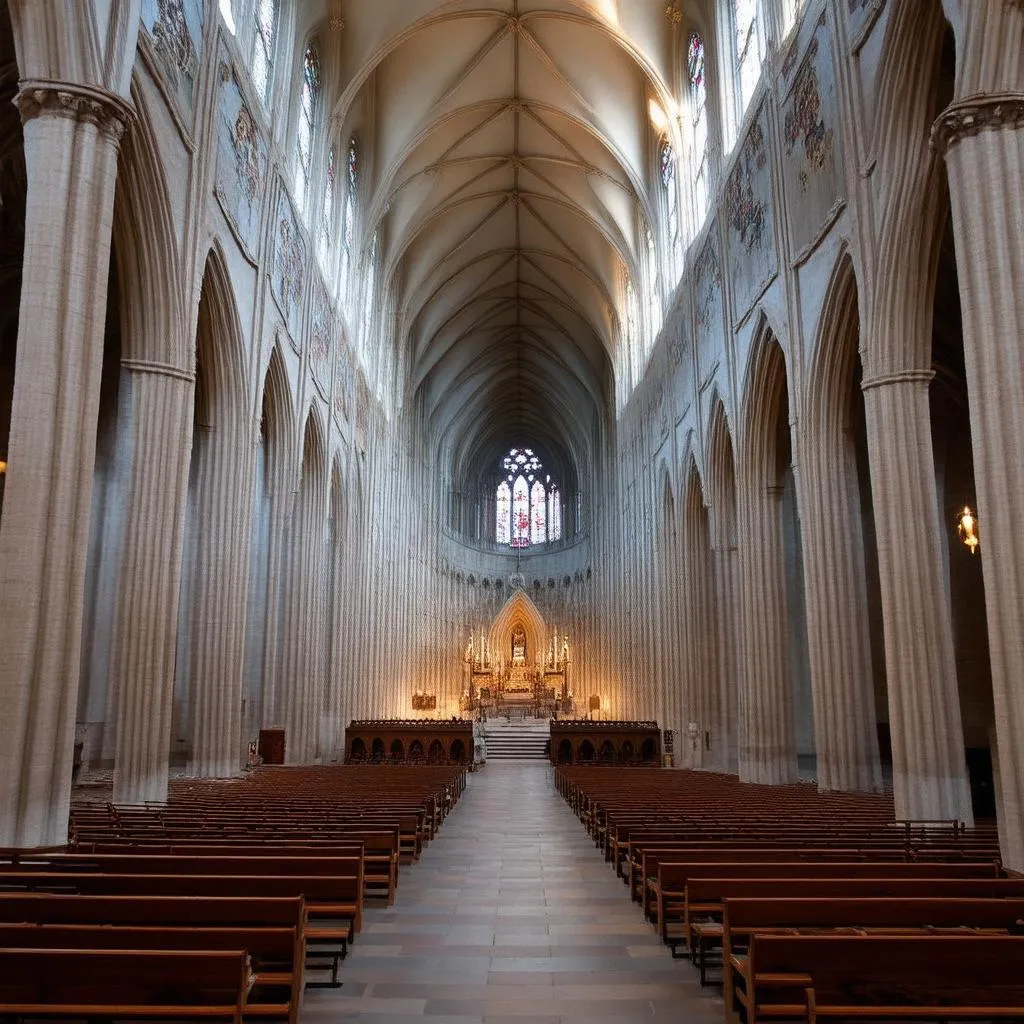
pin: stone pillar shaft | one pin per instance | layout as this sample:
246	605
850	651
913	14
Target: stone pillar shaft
985	160
929	768
72	136
767	750
219	599
160	425
838	634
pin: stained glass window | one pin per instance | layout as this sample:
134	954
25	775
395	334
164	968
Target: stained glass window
305	132
653	283
633	340
327	207
698	110
748	49
538	514
520	513
369	286
503	524
554	515
523	502
673	222
348	215
263	43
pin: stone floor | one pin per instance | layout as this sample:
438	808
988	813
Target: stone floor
512	915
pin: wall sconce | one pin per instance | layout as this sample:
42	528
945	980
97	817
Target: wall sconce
3	467
967	529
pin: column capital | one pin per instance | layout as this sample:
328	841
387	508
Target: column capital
900	377
973	114
43	98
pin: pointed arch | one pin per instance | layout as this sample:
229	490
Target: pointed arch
764	396
150	280
221	388
519	612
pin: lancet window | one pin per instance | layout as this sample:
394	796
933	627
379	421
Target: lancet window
749	49
348	213
528	510
264	40
305	134
670	190
327	208
695	67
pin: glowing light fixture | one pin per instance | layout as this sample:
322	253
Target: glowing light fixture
658	116
967	529
3	467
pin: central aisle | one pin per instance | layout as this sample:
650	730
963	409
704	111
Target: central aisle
512	914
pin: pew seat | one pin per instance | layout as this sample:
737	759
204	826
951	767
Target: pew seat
137	984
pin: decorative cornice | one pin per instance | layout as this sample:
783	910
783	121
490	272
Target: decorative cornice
973	114
85	103
902	377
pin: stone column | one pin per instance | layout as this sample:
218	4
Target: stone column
158	420
220	593
983	138
929	768
300	687
725	567
839	642
72	134
767	753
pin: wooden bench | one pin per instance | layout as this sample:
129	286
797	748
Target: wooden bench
881	977
671	902
277	955
705	899
745	918
147	984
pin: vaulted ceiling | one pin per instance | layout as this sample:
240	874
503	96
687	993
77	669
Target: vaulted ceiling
512	151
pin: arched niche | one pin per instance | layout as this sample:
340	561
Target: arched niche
518	613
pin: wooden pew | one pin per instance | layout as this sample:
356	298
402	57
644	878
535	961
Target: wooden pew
882	977
140	984
673	876
745	918
705	899
277	955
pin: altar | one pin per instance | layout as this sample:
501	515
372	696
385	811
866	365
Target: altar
518	666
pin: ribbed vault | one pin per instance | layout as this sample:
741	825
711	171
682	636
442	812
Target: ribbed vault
511	147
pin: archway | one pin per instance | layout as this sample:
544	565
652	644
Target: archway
777	701
269	487
845	638
207	710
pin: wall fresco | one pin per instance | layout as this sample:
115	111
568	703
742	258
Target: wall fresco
811	172
175	28
322	331
289	271
240	180
750	218
707	300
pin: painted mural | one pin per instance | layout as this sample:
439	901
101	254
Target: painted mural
707	303
344	381
176	30
813	179
681	365
750	218
241	163
323	328
288	274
